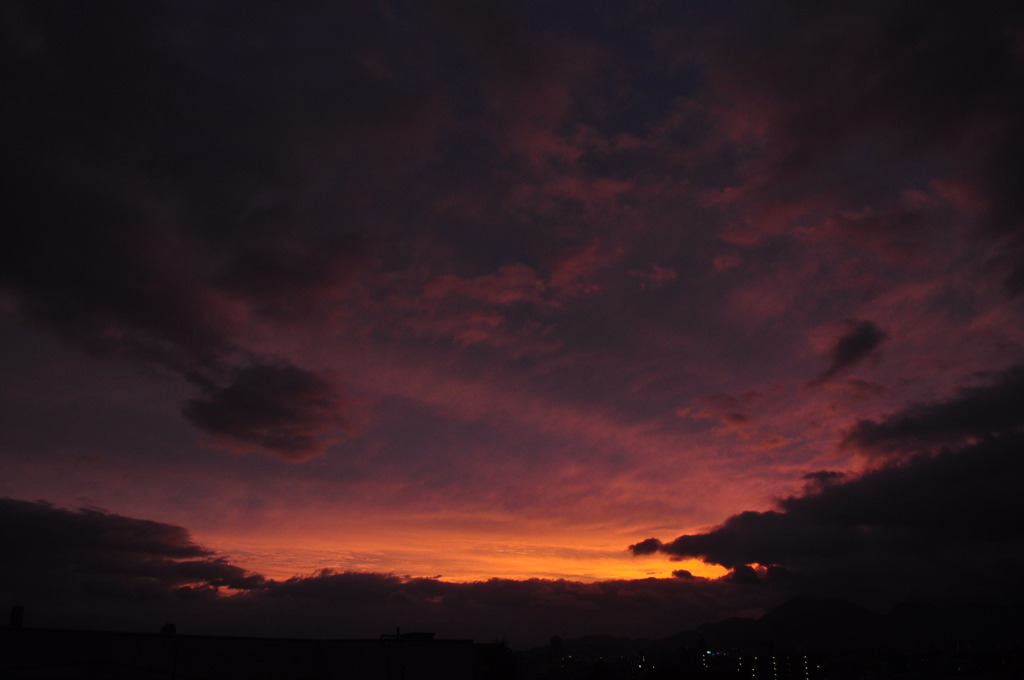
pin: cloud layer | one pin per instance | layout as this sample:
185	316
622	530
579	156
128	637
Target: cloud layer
859	342
96	569
518	280
945	511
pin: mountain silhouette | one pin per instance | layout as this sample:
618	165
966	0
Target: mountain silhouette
830	625
824	624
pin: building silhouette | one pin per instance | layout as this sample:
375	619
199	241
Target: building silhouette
39	654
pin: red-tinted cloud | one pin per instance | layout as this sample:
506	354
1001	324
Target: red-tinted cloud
96	569
518	271
895	85
951	511
511	284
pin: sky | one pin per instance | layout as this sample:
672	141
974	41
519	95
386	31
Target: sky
320	317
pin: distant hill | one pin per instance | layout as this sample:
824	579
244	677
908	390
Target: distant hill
831	625
811	623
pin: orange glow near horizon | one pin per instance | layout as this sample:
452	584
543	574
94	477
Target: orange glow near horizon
454	559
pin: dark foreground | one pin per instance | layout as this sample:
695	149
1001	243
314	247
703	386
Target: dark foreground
804	638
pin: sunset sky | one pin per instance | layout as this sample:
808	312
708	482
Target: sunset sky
545	298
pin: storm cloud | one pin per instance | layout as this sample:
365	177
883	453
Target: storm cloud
947	510
53	554
277	407
530	281
977	411
861	340
92	568
139	193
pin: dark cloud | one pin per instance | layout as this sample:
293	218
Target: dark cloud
975	412
899	532
182	178
743	574
732	412
286	278
935	516
823	478
777	575
771	536
935	88
53	554
525	612
93	272
151	202
646	547
94	569
861	340
277	407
